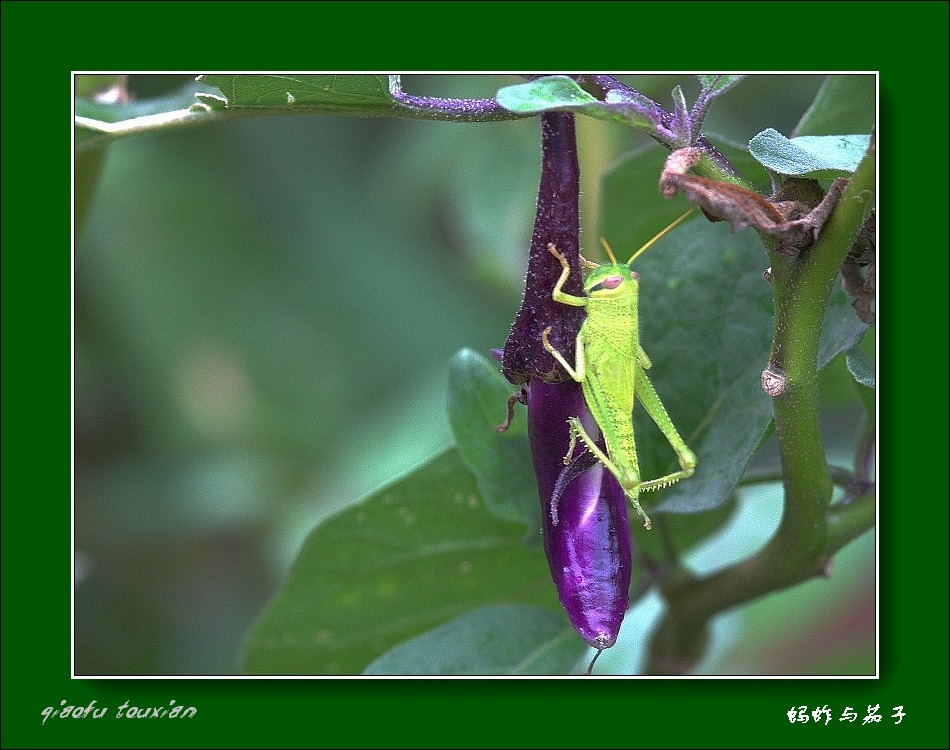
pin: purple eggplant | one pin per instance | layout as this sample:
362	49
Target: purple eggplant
586	536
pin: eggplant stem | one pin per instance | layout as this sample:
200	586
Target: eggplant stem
590	666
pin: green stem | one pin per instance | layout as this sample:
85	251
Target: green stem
841	476
810	531
847	521
92	133
802	287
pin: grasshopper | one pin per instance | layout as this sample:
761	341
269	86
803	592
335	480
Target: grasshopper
610	365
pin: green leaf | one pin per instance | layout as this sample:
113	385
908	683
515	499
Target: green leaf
717	84
501	462
88	170
633	209
499	640
860	366
543	94
563	94
341	94
809	156
406	559
844	104
841	330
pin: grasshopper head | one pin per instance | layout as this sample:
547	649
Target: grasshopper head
611	280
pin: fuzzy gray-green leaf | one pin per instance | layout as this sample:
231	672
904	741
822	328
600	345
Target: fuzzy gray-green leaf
543	94
860	366
813	156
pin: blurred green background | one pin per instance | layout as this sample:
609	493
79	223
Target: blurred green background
264	315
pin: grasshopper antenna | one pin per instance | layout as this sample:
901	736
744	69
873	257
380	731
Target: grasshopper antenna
657	236
610	253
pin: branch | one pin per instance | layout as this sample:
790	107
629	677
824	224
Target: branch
810	531
100	131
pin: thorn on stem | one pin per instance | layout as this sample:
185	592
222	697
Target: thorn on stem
773	381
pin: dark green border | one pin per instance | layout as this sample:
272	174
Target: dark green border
42	42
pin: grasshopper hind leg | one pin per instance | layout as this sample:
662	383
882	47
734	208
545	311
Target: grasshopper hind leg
630	484
647	395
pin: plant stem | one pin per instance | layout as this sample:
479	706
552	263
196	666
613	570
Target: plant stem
841	476
810	531
847	521
99	132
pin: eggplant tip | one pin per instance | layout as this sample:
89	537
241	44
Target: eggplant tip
590	667
601	642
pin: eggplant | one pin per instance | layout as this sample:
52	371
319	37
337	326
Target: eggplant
586	536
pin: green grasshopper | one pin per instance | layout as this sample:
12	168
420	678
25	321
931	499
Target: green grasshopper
610	365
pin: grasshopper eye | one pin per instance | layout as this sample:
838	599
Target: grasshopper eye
609	282
634	275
